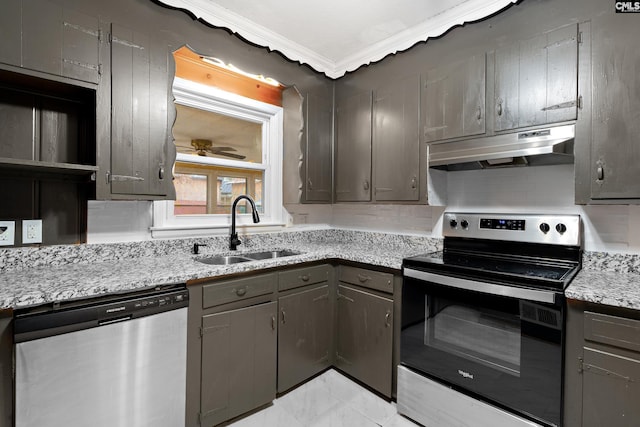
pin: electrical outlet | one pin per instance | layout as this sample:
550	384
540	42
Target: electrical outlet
31	231
7	233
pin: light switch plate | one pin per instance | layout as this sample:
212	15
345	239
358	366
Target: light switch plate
7	233
31	231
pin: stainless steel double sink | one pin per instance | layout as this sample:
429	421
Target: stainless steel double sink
255	256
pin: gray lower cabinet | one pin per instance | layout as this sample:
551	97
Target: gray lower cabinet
364	347
536	80
304	335
353	149
610	372
305	331
138	165
396	145
239	350
602	371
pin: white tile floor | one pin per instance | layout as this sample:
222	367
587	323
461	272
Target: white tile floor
329	400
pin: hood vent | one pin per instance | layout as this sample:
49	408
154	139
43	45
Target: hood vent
549	146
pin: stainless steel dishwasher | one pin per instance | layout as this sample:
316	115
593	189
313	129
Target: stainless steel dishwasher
117	361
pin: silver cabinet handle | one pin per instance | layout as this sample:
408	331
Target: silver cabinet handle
284	317
273	323
567	104
362	278
122	178
365	184
600	173
479	114
500	108
241	291
414	183
387	317
310	184
305	278
161	172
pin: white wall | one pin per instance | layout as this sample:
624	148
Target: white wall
541	189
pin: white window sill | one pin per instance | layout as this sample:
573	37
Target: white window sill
183	231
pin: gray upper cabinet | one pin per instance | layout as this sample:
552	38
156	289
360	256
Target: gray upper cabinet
536	80
318	159
612	173
353	148
43	36
396	145
453	100
142	112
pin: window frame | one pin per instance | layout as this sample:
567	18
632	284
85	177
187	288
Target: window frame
190	94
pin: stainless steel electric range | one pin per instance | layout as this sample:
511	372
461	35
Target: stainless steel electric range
482	332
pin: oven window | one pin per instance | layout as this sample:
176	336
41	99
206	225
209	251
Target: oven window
479	334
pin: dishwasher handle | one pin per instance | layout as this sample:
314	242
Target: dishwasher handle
116	320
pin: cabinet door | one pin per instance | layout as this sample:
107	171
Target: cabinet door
615	127
365	337
318	160
453	100
610	389
140	140
60	41
353	149
396	146
10	33
536	80
238	362
304	336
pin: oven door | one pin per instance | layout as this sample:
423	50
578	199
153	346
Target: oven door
497	342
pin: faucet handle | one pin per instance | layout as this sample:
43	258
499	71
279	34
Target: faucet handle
196	247
234	241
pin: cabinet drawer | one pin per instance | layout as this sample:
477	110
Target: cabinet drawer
236	290
612	330
303	276
367	278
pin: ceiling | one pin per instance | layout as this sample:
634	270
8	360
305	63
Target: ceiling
338	36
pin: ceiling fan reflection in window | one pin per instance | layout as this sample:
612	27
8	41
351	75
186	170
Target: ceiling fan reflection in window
203	146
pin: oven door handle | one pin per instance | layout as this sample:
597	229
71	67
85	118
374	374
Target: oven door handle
484	287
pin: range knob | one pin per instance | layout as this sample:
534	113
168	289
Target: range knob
561	228
464	223
544	227
453	223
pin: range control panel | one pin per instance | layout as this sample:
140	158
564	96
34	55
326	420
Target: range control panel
554	229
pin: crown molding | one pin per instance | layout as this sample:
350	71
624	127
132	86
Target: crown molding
469	11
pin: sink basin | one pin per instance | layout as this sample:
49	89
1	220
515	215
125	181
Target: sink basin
223	260
270	254
255	256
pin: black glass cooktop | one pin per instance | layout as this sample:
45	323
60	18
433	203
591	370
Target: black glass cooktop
517	270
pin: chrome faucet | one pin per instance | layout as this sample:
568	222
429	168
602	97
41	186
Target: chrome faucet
233	239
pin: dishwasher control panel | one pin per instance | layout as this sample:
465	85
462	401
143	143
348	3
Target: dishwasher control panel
70	316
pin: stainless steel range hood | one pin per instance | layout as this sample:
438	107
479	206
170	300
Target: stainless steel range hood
546	146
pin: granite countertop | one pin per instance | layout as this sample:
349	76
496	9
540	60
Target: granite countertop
33	276
32	285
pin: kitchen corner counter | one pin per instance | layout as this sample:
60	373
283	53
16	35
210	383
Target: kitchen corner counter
90	277
608	279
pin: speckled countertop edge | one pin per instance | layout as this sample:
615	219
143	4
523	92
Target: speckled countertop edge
40	275
79	277
611	279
